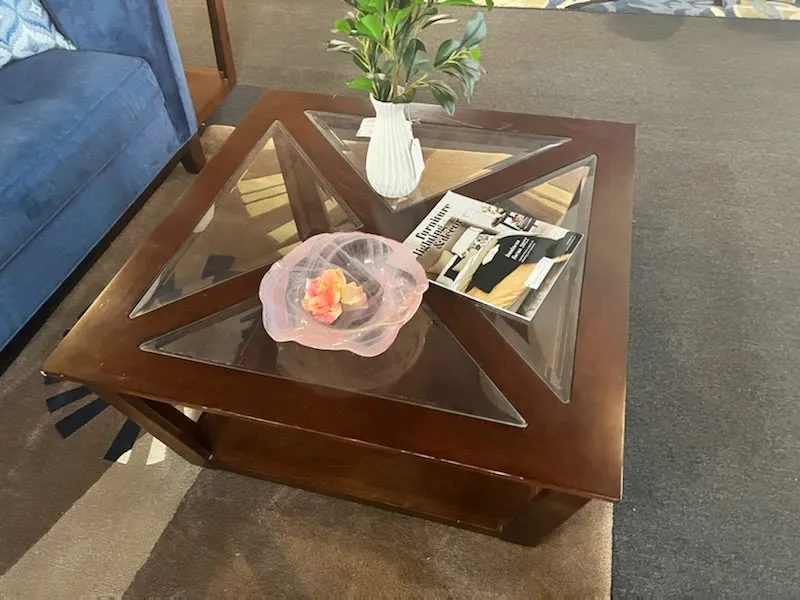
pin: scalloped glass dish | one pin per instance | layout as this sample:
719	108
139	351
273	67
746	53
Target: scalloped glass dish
387	271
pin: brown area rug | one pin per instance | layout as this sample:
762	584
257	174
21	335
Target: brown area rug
150	525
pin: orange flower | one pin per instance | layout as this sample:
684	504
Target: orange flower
325	295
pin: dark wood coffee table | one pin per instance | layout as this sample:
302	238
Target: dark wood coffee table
469	418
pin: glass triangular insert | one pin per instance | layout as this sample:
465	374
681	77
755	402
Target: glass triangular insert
454	154
425	365
275	199
548	342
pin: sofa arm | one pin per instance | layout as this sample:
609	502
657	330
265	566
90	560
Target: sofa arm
139	28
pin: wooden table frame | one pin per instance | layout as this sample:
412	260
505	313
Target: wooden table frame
515	483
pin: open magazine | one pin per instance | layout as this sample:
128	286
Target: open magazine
506	260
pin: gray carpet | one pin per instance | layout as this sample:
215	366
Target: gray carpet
712	451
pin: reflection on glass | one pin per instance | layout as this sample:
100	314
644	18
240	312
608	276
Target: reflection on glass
425	366
454	154
274	201
548	343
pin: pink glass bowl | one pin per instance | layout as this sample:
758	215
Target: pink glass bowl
388	272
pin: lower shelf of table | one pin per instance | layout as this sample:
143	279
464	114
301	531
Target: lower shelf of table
208	88
399	481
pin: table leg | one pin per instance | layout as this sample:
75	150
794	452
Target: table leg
165	422
545	513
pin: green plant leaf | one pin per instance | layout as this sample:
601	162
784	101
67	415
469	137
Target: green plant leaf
404	14
475	53
371	26
340	46
458	3
471	72
468	83
472	66
421	64
395	16
489	3
341	26
361	62
407	96
372	52
445	51
361	83
370	5
476	31
444	95
455	69
388	67
383	88
404	30
440	19
391	17
466	79
410	54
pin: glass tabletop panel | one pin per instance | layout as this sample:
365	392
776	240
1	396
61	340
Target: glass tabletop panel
547	343
425	366
257	218
454	154
262	213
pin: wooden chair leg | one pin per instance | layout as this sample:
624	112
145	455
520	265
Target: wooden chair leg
222	40
193	158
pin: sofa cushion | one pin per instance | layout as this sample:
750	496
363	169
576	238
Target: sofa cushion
26	29
63	116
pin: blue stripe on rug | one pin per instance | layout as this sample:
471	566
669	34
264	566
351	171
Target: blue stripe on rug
63	399
71	423
124	441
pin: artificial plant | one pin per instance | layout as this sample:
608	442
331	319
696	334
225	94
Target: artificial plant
385	44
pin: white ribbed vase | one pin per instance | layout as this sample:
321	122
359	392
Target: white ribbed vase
390	166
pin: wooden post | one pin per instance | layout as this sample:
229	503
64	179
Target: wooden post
222	40
163	421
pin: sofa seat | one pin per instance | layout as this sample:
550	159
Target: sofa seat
65	115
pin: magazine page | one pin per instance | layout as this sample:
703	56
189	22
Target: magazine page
506	260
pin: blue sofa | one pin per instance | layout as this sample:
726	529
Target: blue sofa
82	135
